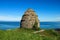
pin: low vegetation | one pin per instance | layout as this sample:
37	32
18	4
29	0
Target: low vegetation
27	34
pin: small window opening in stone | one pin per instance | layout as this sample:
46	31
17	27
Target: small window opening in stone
22	20
26	15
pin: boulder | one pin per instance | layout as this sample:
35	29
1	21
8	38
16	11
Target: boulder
30	20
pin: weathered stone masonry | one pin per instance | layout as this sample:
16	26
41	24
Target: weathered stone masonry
29	19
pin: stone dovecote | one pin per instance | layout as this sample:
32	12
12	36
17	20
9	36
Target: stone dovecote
29	20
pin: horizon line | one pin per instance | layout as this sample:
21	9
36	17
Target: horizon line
20	20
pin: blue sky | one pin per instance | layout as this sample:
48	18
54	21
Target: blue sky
47	10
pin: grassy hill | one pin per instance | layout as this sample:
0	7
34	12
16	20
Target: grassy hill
27	34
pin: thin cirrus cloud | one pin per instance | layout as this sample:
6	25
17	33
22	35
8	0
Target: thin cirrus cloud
9	18
58	18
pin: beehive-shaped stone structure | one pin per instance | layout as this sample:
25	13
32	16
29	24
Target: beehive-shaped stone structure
30	20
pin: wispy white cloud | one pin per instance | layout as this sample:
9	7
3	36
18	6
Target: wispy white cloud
52	19
9	18
17	18
58	18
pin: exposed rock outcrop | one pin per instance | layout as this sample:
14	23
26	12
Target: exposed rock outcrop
30	20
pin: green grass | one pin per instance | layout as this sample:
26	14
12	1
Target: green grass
27	34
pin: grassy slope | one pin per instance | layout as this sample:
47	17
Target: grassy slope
26	34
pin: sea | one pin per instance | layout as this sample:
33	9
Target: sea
4	25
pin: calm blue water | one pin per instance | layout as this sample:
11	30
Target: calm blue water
43	25
50	25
